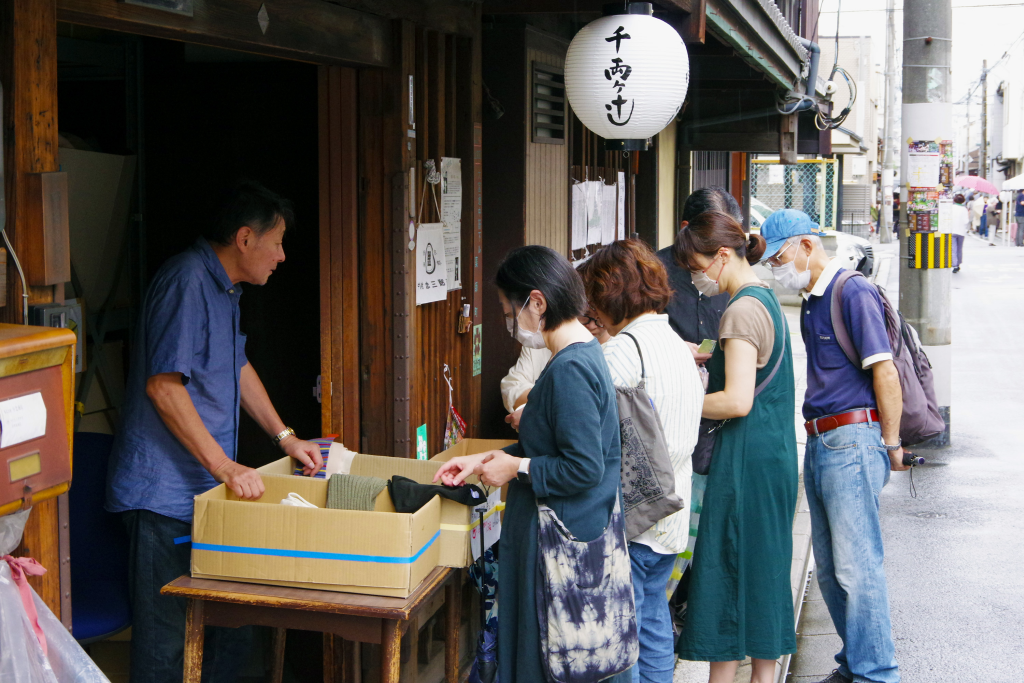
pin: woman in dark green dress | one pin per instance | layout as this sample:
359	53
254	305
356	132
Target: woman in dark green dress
740	602
568	451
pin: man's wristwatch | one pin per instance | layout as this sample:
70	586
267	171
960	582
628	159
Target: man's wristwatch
523	475
288	431
899	445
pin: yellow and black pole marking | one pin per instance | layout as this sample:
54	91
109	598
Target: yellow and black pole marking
930	250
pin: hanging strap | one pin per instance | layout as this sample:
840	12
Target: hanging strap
782	352
20	567
643	371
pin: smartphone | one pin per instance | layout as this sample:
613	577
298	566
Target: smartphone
707	346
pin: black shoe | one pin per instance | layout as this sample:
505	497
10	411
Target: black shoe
957	269
836	677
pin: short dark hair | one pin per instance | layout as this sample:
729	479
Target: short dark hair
626	279
958	199
709	232
536	267
248	204
713	198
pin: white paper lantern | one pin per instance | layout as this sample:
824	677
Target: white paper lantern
626	77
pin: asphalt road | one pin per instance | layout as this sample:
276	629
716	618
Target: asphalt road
954	553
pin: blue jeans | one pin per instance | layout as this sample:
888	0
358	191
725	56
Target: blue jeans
158	621
844	472
651	572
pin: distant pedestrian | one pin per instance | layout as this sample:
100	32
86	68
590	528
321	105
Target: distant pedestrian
740	601
961	224
976	207
991	218
853	424
1018	237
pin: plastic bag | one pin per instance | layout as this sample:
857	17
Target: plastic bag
21	657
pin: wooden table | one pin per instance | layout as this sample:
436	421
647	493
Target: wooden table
353	617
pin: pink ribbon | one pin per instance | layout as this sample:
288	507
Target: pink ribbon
20	566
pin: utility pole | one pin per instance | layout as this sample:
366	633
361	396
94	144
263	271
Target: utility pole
967	143
927	115
888	165
983	156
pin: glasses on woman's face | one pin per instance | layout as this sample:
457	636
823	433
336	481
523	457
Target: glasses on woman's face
588	320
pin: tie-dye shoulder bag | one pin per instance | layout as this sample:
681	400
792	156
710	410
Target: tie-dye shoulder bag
585	604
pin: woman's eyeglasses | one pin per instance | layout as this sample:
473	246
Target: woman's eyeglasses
590	320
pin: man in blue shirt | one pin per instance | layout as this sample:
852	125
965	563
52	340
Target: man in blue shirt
853	425
179	423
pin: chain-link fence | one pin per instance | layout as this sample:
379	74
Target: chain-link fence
810	185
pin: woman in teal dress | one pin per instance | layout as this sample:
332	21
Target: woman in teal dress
740	601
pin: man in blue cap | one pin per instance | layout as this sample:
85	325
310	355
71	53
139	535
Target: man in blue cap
853	425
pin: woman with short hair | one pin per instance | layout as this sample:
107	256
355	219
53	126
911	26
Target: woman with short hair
628	288
568	453
740	600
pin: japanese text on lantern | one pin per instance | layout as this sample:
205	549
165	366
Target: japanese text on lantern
618	74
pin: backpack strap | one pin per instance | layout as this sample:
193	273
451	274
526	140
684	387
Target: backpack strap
778	363
838	324
643	371
783	334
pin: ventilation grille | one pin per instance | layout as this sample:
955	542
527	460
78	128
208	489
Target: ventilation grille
548	104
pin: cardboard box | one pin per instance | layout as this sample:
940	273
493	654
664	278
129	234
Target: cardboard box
377	553
458	522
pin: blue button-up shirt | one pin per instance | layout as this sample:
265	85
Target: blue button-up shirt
189	324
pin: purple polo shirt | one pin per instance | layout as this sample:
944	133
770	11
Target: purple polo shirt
834	384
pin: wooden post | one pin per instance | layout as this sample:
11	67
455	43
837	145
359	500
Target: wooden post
194	633
452	616
390	651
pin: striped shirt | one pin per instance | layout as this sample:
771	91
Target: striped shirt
675	388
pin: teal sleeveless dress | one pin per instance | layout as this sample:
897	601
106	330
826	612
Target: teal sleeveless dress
740	600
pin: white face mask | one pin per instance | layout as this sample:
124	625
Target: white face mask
788	277
706	285
531	340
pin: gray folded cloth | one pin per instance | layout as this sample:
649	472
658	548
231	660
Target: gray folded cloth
352	492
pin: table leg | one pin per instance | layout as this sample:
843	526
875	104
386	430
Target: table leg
391	651
277	668
194	632
452	616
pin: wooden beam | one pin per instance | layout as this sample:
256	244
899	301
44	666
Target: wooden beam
573	6
694	26
447	16
28	71
304	30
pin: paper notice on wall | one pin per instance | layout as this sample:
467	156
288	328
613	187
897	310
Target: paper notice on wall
431	270
595	198
620	209
607	214
945	216
491	527
579	216
451	219
22	419
776	174
923	169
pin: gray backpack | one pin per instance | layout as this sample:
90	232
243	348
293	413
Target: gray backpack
921	419
648	479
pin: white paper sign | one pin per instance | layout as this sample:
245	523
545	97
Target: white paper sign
22	419
776	174
431	270
579	216
945	216
620	213
491	525
607	214
451	219
923	169
595	197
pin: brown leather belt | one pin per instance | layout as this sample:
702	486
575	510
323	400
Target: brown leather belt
829	422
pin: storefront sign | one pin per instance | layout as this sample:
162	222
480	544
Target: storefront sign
431	269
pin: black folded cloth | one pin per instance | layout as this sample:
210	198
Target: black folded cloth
410	496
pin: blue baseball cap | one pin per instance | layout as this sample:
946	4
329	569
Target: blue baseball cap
782	225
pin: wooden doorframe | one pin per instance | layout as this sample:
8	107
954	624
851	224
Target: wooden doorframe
339	254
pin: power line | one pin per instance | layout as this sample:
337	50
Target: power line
900	9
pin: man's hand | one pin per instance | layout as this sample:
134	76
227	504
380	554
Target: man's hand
514	417
698	357
306	452
896	461
244	481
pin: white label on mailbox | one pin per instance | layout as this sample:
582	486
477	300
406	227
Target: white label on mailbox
22	419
